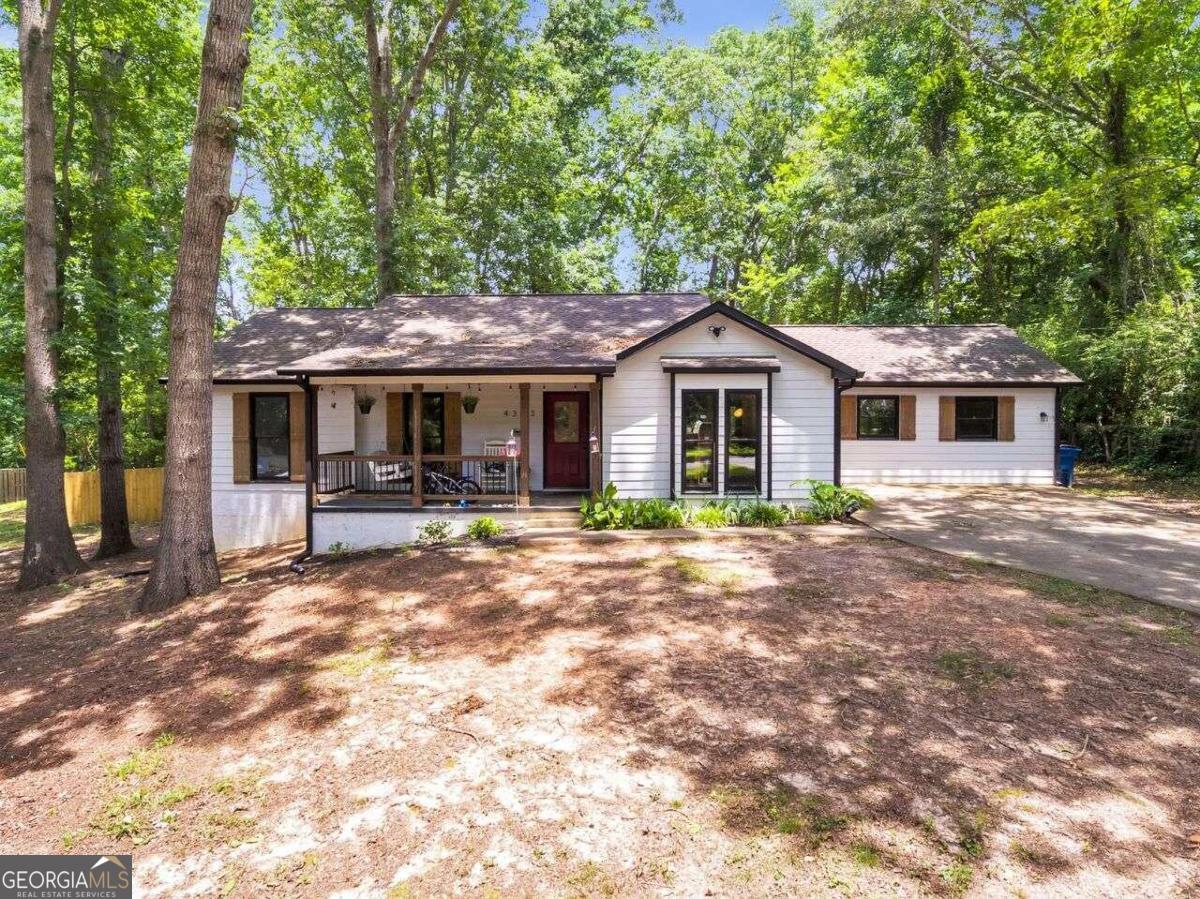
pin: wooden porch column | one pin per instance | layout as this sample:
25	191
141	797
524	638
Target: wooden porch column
418	439
597	426
523	459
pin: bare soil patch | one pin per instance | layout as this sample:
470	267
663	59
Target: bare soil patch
793	712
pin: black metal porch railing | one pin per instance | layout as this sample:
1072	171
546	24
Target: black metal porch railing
444	477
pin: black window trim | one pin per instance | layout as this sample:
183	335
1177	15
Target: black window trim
683	484
894	397
406	411
995	435
287	418
728	391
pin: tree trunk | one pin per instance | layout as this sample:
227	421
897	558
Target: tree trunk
186	563
50	552
389	126
115	537
1120	244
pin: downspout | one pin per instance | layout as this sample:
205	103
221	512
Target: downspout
1058	392
310	455
839	388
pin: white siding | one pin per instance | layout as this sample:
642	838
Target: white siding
1029	459
251	514
637	403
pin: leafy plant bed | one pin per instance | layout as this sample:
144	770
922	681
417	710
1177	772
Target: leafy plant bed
827	502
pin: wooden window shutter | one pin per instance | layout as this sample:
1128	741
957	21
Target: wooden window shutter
241	438
1006	418
908	417
395	422
296	466
452	409
946	418
849	417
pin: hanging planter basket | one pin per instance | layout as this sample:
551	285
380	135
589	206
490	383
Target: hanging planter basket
469	403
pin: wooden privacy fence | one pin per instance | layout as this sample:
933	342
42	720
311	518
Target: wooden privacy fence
143	494
12	484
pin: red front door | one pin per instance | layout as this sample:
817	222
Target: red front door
565	425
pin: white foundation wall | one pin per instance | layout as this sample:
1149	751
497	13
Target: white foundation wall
253	514
1028	459
637	412
377	530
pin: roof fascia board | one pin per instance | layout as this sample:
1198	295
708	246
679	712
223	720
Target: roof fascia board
1027	384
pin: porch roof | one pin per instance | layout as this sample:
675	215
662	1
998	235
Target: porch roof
462	334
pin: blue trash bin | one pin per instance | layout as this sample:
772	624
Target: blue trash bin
1067	456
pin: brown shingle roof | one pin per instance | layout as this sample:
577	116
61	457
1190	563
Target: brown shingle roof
453	333
585	332
950	354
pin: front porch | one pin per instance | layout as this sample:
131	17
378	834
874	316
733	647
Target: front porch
491	442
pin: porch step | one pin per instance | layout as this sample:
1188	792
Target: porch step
552	518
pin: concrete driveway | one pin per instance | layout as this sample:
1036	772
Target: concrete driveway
1120	544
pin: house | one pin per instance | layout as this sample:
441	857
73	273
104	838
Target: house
322	416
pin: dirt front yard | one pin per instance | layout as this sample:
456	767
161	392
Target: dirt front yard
793	712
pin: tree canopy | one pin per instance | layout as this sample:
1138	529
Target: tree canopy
936	161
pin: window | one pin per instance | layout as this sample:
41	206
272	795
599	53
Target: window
433	423
270	438
974	418
743	425
879	418
699	441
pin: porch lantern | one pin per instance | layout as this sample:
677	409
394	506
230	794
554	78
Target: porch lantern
594	443
365	404
512	448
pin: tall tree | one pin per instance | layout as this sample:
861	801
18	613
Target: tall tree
115	537
50	551
186	563
392	107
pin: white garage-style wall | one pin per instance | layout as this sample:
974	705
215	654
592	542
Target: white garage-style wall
1027	459
637	412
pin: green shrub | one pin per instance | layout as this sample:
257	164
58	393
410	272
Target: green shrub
484	528
432	532
709	515
603	513
339	550
652	514
757	514
829	502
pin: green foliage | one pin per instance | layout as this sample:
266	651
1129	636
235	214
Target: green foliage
756	513
709	515
604	512
434	532
607	512
829	502
484	528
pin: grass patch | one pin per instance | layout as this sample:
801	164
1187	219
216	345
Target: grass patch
12	524
779	810
970	668
957	877
590	878
358	661
691	571
865	854
1058	619
144	762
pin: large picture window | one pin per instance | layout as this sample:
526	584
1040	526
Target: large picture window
879	418
270	439
975	418
699	442
743	431
433	423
